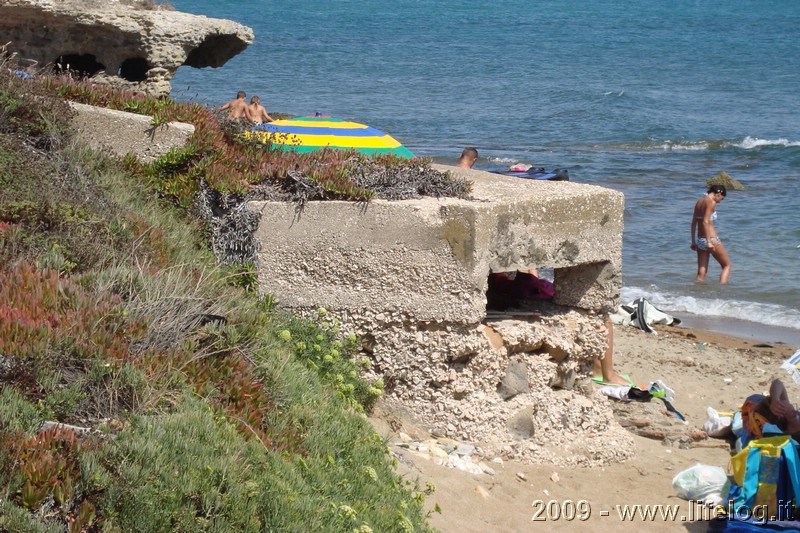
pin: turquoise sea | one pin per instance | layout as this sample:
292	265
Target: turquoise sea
650	98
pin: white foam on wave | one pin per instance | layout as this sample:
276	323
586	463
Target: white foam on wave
686	146
504	160
748	143
760	313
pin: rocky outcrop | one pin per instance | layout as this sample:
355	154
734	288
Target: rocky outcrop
117	43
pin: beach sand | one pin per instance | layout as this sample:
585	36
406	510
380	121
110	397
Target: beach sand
705	368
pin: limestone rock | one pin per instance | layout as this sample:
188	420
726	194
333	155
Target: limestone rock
723	178
520	426
515	381
116	43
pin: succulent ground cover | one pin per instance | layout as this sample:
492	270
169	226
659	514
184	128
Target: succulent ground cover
183	401
221	157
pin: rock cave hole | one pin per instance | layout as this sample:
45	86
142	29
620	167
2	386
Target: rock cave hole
82	65
134	69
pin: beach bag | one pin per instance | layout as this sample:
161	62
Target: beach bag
752	422
766	480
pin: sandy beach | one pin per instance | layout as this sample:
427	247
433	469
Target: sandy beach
705	368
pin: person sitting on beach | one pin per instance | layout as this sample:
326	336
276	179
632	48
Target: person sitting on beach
705	240
775	408
256	113
236	108
468	157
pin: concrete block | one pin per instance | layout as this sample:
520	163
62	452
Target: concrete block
130	133
430	258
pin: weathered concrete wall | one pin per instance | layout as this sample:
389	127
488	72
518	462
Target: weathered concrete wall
430	258
122	133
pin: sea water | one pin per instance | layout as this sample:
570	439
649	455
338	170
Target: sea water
649	98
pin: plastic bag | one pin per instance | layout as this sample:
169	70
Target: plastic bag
702	483
659	389
717	425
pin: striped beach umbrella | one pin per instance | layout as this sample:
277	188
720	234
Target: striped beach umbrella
306	134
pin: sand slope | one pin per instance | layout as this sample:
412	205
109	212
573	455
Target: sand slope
704	368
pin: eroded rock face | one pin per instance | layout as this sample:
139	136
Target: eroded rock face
515	385
116	43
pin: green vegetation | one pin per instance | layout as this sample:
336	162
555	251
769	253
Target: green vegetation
203	407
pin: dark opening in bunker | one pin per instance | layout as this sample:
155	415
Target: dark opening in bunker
512	289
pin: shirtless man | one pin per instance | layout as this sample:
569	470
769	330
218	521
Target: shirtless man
237	109
256	113
468	157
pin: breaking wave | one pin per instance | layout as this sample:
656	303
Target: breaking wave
747	143
760	313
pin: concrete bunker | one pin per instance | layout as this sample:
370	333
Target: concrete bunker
410	278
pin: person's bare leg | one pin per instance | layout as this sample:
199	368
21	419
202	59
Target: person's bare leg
721	255
702	265
604	366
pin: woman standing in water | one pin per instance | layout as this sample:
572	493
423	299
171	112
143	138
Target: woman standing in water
707	242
